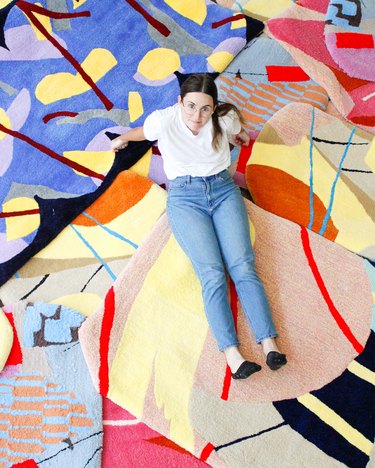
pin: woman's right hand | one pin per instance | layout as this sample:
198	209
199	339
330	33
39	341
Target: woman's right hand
118	144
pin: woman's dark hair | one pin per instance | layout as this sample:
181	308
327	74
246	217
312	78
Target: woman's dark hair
204	83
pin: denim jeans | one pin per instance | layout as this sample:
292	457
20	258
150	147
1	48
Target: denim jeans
209	220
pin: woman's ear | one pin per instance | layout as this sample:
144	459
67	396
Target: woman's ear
179	100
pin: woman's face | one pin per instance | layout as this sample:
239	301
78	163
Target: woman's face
196	110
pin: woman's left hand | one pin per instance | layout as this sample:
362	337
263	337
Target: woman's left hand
241	139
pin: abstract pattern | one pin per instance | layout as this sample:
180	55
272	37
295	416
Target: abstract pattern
88	79
318	171
48	413
262	79
153	361
319	35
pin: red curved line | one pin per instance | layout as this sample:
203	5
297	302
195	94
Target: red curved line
320	282
105	335
154	22
11	214
53	115
230	19
76	166
207	450
25	8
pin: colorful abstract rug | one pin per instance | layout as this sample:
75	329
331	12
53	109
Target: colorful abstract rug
67	78
149	350
328	39
50	413
262	79
318	171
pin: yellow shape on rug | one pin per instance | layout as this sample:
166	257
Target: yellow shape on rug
238	23
220	60
6	339
46	23
132	224
85	303
135	105
159	63
194	10
20	226
166	328
64	85
265	8
4	120
98	161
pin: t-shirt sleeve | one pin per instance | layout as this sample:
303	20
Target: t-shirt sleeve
152	126
231	123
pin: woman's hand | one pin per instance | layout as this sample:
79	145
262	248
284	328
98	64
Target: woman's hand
118	144
241	139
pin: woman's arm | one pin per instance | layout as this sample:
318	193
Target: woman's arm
241	139
134	134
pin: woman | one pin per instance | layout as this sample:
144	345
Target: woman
207	214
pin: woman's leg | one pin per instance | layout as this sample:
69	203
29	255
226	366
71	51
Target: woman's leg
192	227
232	228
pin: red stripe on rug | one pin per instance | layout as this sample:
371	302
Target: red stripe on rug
234	307
160	27
206	452
244	156
11	214
354	41
280	73
53	115
105	333
15	355
44	149
320	282
230	19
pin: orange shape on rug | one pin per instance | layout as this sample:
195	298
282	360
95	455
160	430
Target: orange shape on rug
270	186
126	191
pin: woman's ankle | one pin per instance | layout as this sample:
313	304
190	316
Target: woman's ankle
268	345
233	357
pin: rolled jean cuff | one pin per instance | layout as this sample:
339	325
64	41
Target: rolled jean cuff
223	348
275	335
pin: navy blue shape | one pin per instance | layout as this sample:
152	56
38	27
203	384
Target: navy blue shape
4	12
56	214
351	398
253	28
181	77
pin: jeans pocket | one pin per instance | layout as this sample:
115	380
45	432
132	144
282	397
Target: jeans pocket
177	184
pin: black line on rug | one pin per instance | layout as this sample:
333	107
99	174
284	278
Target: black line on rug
331	142
219	447
70	446
35	287
91	277
93	455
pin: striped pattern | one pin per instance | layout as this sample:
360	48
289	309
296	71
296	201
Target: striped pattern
35	413
259	102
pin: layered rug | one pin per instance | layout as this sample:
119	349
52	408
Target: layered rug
318	171
333	41
50	413
150	351
69	75
261	80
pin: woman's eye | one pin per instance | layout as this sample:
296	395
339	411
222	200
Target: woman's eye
191	106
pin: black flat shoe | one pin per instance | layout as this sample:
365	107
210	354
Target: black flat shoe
275	360
245	370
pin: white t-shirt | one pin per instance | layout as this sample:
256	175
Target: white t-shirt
185	153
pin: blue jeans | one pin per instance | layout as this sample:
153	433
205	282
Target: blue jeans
209	220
